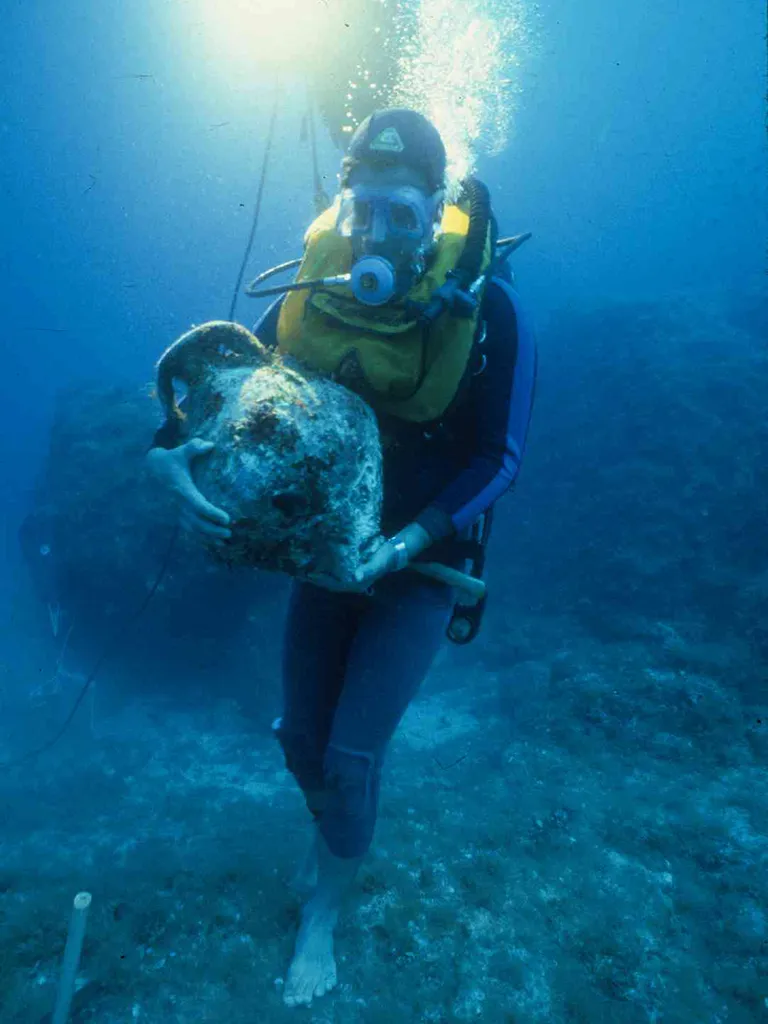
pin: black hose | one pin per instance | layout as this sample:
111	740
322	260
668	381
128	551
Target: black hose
470	264
279	269
322	201
455	294
257	210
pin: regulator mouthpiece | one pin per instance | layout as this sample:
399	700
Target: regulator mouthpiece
373	280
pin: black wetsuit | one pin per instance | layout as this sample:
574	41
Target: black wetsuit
352	663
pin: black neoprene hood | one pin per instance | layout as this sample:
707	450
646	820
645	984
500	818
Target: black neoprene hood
398	136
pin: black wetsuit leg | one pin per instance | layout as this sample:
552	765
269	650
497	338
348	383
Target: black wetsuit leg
352	665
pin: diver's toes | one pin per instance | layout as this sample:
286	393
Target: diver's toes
304	996
326	983
300	994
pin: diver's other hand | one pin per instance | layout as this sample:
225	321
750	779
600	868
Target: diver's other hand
390	556
173	468
383	560
379	564
393	555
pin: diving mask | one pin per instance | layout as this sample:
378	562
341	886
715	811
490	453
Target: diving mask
390	231
375	216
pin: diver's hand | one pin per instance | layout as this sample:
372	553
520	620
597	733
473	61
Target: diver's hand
385	559
379	564
173	468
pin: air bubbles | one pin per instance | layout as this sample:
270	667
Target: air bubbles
460	69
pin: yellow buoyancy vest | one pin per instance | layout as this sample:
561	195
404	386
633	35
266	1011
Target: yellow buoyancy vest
382	352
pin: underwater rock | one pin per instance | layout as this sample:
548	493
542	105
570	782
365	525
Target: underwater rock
94	540
97	527
652	503
297	462
94	531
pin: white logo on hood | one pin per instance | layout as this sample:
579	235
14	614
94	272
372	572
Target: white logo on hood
388	141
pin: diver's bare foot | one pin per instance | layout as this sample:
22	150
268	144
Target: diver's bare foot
313	969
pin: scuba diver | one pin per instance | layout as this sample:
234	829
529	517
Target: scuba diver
429	330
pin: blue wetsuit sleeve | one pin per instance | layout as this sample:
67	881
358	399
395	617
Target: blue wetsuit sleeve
501	403
169	435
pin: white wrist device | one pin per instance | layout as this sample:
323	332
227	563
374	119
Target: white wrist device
402	558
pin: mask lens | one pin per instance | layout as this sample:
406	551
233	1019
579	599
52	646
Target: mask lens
403	219
354	216
378	212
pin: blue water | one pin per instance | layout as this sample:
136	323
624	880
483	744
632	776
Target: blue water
130	155
637	158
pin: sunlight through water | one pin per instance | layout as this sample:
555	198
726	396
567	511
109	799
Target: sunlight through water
457	61
279	34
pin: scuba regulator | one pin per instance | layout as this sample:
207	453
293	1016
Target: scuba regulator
399	221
